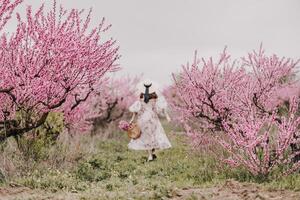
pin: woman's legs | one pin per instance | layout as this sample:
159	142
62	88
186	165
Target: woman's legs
150	157
153	154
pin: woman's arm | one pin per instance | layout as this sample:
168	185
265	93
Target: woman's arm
134	108
167	115
132	118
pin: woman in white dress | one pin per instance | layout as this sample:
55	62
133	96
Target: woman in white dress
146	111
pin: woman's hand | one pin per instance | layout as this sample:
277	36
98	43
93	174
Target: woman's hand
168	118
132	118
167	115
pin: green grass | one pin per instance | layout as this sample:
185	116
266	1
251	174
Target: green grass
115	171
111	171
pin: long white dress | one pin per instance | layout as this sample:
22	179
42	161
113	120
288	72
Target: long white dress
153	135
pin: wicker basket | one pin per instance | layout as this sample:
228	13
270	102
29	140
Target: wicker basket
134	131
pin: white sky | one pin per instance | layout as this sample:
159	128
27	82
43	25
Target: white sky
157	36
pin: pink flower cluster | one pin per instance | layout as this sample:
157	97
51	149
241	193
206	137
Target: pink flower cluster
124	125
108	104
51	63
248	107
6	9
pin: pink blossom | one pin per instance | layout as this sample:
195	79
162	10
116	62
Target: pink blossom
124	125
108	103
247	106
51	64
6	9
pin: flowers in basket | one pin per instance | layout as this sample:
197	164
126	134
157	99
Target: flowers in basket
124	125
132	129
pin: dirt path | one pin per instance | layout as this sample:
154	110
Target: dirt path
23	193
231	190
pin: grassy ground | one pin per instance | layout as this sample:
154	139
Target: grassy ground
108	170
114	172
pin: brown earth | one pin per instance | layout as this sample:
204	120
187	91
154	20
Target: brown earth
231	190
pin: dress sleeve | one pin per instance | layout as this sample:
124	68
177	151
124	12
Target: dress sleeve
135	107
161	105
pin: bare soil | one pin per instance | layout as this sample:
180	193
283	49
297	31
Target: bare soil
231	190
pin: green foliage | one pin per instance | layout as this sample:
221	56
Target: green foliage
53	126
2	177
53	180
291	182
111	171
35	144
92	171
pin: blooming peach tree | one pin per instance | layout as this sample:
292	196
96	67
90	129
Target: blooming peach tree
247	106
6	9
53	62
110	103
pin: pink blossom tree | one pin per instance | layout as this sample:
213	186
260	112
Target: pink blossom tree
6	9
109	104
53	62
237	104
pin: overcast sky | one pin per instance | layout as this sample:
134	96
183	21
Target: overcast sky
157	36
